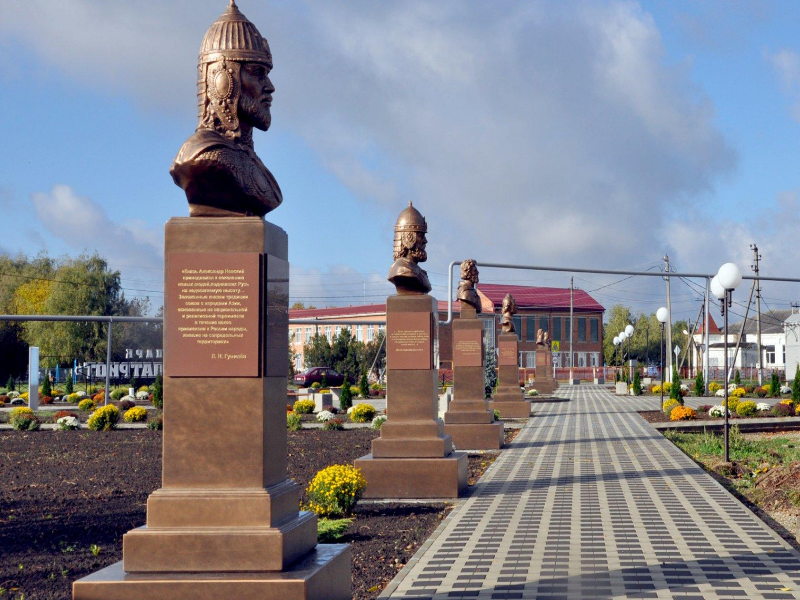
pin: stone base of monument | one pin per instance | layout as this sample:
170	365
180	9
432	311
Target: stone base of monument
322	574
476	436
545	387
403	478
511	409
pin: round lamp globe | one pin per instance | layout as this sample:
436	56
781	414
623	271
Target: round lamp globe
616	341
662	314
717	289
629	331
729	276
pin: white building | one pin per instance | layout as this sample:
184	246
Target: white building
773	342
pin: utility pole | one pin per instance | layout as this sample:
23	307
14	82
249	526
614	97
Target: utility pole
669	321
571	329
754	266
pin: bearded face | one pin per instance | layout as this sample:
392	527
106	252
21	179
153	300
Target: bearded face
469	271
417	249
256	99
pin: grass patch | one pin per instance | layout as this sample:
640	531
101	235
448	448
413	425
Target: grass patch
332	530
750	452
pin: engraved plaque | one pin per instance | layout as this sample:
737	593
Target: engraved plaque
213	315
467	347
409	341
508	354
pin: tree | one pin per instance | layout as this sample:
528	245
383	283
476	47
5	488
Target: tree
158	392
675	387
317	352
301	306
46	391
375	353
363	385
737	378
10	383
292	356
775	385
68	388
699	384
637	383
346	397
796	385
489	371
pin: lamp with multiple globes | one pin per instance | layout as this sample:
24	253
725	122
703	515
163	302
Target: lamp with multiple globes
662	314
727	279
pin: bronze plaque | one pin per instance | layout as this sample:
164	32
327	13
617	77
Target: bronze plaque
467	347
508	354
213	317
409	343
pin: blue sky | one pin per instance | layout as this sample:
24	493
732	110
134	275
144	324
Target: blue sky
562	133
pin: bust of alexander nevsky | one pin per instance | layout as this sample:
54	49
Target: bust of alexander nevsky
217	166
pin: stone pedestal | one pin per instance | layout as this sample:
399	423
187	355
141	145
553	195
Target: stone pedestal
413	457
468	419
545	383
226	521
508	398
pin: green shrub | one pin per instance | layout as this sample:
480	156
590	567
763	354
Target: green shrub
775	385
23	419
10	384
137	414
377	387
496	414
346	396
330	531
335	490
699	384
46	389
333	425
363	386
118	393
324	382
362	413
316	385
746	408
378	421
675	387
87	404
737	378
637	384
68	388
104	418
796	385
156	423
158	392
293	421
304	407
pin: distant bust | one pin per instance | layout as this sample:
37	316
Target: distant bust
409	250
509	309
540	337
217	166
466	289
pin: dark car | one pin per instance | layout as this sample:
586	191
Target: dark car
314	374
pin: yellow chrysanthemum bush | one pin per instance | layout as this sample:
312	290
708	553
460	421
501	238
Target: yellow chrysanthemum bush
746	408
135	414
713	387
362	413
304	407
669	405
733	403
682	413
103	418
335	490
738	392
87	404
656	389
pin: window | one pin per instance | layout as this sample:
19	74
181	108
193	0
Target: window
770	350
488	332
308	334
530	329
338	330
581	329
530	360
328	332
291	336
567	329
582	359
544	323
518	325
594	334
556	329
594	358
359	334
370	332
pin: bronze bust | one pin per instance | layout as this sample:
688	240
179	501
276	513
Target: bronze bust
466	289
509	309
409	250
217	166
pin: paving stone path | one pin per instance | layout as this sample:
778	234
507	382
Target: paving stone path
591	502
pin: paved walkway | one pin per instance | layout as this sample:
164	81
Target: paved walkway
591	502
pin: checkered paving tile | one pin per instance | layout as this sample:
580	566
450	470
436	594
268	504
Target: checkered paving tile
591	502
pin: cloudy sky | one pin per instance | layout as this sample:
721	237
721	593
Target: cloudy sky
590	134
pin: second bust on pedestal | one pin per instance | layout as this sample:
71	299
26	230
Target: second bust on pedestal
409	251
217	166
466	289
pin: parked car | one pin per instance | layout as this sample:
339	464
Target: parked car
314	374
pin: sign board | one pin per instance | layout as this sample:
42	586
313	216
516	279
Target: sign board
409	340
213	319
467	347
555	346
677	350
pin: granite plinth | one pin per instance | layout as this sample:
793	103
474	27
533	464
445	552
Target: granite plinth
414	478
476	436
511	409
322	574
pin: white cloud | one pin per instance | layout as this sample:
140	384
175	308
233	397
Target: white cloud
787	66
81	223
546	133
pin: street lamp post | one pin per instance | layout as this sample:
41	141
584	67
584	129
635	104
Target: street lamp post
662	314
727	279
622	337
628	336
616	343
